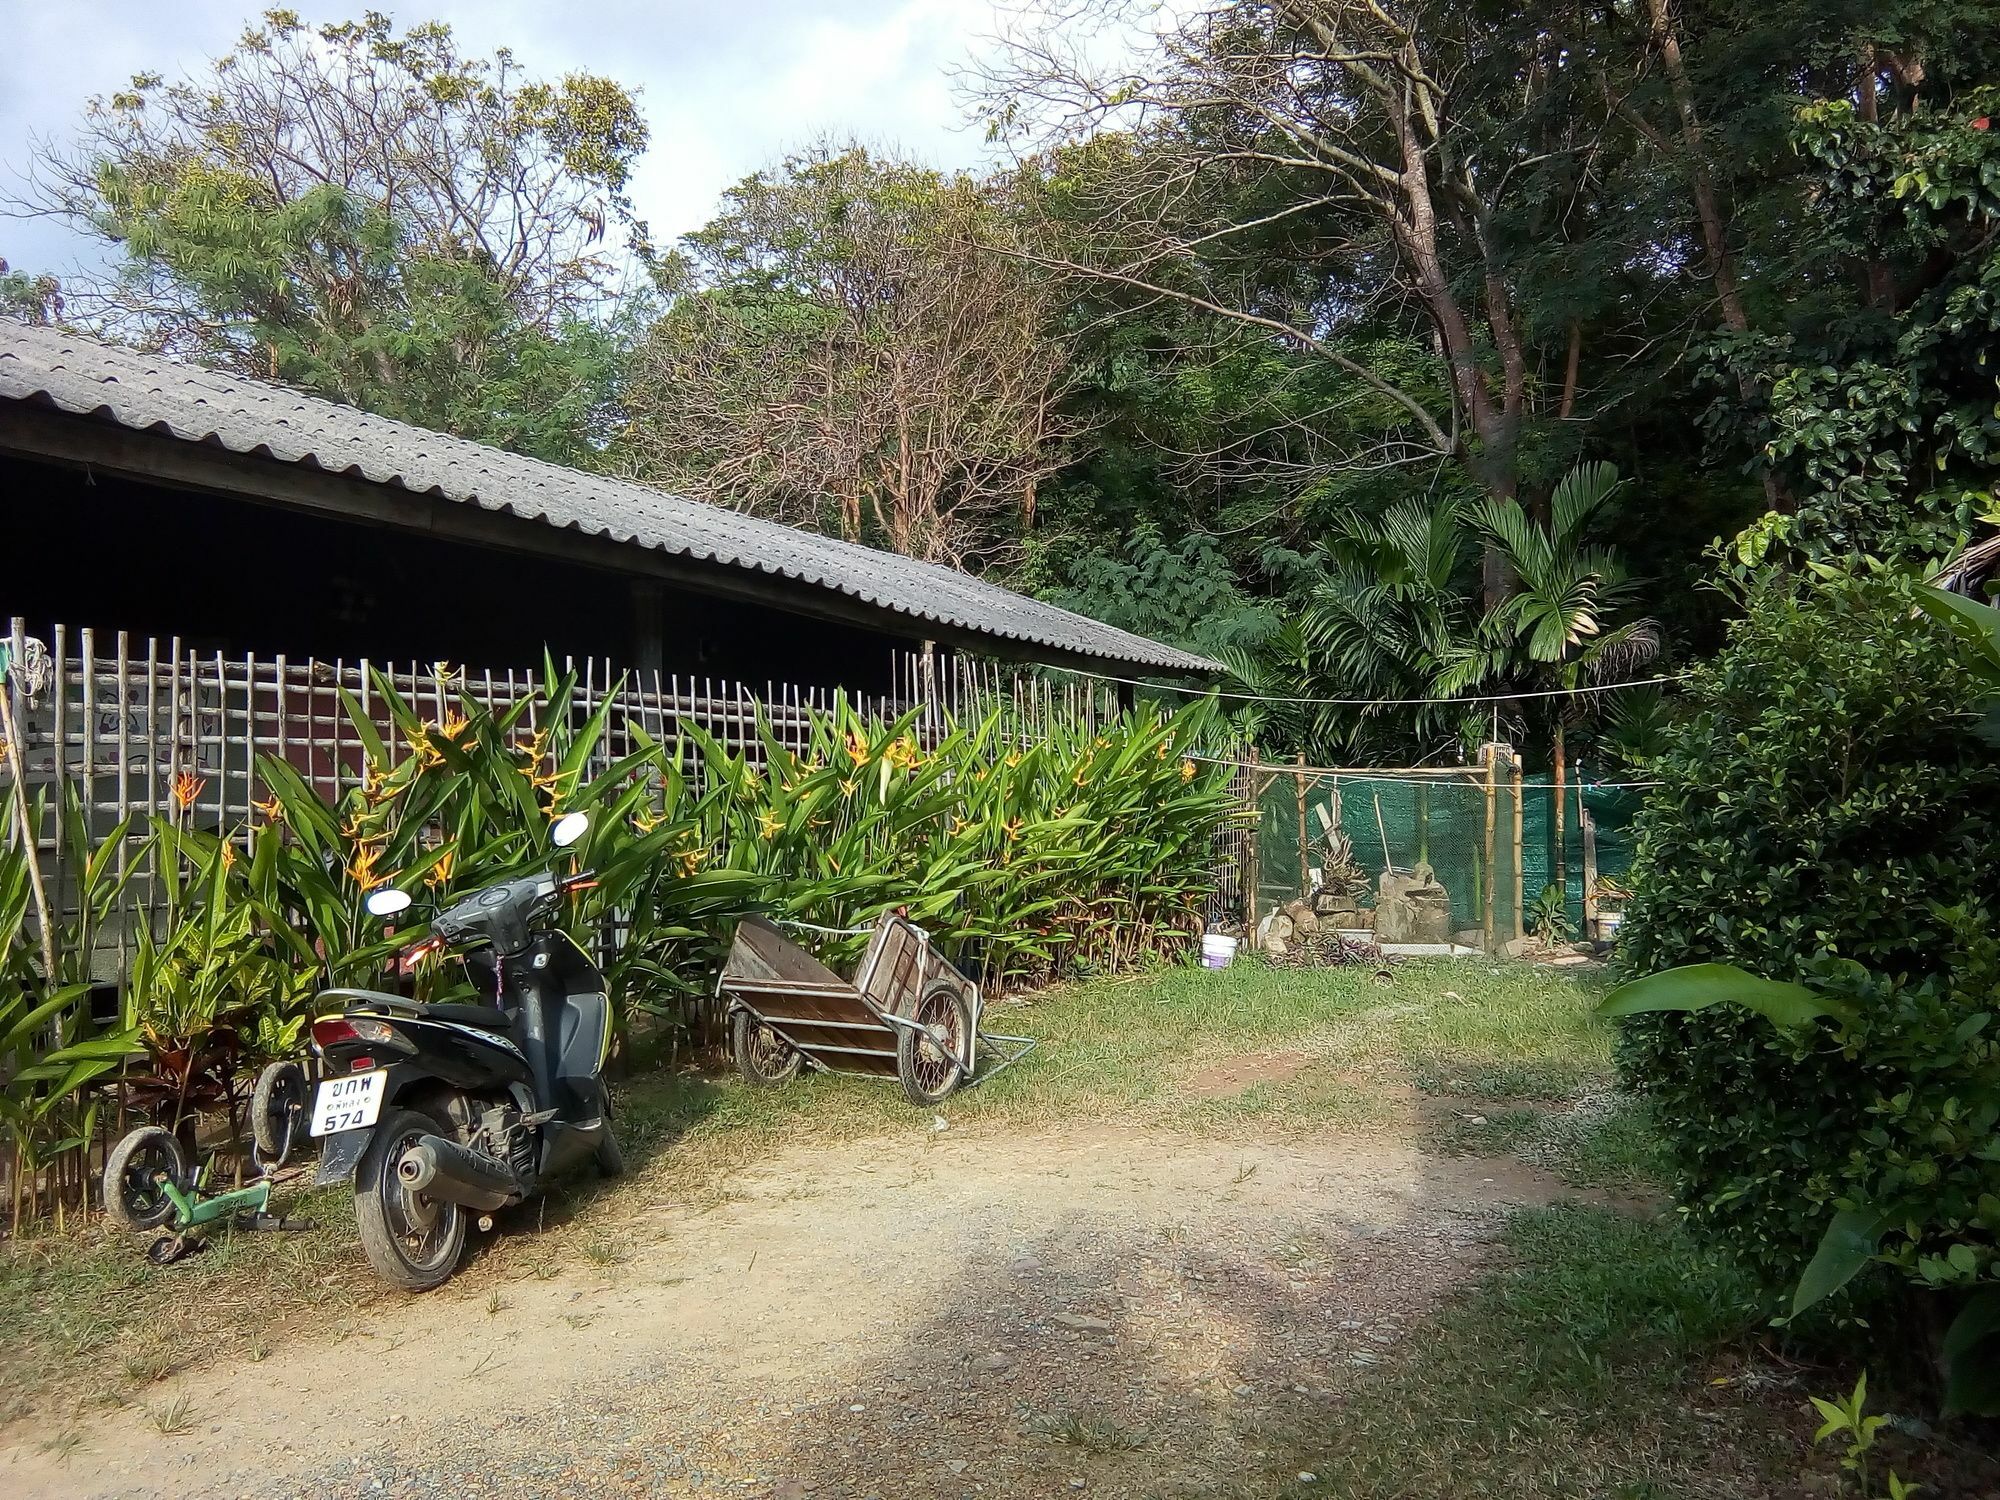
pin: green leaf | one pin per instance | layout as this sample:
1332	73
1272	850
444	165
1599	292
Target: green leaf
1976	623
1698	986
1971	1362
1849	1243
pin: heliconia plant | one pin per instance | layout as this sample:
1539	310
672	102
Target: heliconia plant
1029	855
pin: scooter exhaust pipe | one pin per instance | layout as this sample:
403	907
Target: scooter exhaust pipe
445	1169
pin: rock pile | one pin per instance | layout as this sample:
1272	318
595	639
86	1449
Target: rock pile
1327	949
1297	935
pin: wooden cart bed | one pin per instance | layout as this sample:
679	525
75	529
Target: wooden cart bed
840	1025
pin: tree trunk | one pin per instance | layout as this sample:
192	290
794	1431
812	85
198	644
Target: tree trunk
1708	212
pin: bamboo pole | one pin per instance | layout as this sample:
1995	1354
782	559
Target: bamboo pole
1519	867
1559	822
1588	825
1305	846
1486	754
1251	840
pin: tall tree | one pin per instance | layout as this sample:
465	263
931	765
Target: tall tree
1354	116
369	213
842	353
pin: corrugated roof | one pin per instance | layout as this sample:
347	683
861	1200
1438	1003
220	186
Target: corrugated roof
149	392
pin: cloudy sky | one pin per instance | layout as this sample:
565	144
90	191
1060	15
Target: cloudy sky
728	85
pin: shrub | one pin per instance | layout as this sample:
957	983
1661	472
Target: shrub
1830	815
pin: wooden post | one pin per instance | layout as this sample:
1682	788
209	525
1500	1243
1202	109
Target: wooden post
1486	754
1305	844
1519	868
1251	872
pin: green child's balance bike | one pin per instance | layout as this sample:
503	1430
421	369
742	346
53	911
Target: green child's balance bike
149	1183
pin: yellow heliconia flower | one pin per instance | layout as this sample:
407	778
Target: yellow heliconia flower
1187	770
769	823
646	822
428	754
454	725
273	810
848	785
857	748
690	860
1163	750
228	855
441	871
361	869
187	786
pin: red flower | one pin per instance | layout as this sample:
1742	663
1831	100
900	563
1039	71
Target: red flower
1982	122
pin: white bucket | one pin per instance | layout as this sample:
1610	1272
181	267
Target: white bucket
1218	950
1608	923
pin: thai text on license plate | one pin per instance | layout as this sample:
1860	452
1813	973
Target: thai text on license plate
348	1102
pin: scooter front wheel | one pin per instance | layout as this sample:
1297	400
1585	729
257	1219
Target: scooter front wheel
411	1239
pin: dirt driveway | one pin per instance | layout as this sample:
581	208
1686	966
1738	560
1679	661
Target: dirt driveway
1098	1310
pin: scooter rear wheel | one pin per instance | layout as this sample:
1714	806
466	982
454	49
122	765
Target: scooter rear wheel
411	1239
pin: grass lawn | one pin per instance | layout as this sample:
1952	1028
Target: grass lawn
1610	1357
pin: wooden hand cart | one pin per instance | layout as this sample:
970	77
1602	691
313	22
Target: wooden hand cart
908	1013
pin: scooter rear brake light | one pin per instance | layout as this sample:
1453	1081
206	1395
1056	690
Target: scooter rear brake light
335	1031
331	1031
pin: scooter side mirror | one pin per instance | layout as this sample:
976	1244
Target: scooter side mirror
387	901
569	828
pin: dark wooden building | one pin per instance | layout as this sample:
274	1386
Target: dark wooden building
161	500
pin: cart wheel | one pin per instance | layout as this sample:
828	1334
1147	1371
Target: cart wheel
277	1110
762	1056
132	1192
934	1057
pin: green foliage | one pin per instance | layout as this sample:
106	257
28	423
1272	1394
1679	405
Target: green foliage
1827	819
1393	610
1185	592
49	1054
1884	419
1548	915
1851	1422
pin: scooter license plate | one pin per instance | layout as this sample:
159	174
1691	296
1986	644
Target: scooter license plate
348	1102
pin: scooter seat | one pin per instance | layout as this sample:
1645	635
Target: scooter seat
486	1017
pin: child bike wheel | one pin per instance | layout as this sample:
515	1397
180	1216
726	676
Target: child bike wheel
133	1195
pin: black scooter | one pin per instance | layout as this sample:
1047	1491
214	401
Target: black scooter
441	1113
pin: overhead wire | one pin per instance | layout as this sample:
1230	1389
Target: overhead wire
1195	692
